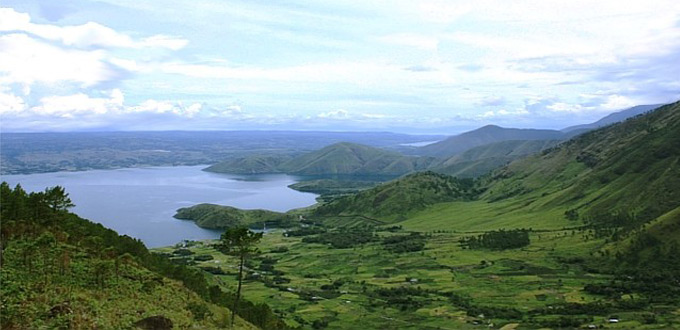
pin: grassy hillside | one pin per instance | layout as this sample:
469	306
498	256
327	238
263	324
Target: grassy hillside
255	164
355	159
337	159
485	135
571	237
614	117
214	216
631	167
396	199
58	270
483	159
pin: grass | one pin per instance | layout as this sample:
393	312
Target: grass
478	216
528	278
32	297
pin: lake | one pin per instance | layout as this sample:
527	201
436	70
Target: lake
141	202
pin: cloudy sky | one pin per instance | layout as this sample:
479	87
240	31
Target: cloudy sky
406	66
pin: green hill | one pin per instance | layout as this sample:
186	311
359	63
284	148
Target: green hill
630	167
59	271
614	118
256	164
213	216
485	135
571	237
354	159
395	199
337	159
483	159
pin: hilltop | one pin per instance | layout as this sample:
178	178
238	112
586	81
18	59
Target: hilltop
615	117
485	135
394	200
342	158
632	166
481	160
254	164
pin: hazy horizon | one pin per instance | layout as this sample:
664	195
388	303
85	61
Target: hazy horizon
425	67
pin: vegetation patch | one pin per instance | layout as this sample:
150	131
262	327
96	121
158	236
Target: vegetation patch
405	243
498	240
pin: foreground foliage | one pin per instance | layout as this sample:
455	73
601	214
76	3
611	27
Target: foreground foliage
61	271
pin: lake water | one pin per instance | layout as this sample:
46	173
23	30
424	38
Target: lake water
141	202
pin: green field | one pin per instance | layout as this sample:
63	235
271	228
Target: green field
547	272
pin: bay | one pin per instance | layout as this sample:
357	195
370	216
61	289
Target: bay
141	202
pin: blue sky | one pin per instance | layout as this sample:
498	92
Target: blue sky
406	66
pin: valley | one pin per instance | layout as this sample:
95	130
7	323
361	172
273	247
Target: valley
429	251
581	234
339	165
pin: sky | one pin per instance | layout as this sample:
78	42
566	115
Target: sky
424	66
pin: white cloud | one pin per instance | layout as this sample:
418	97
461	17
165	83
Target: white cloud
517	113
10	103
565	107
616	102
70	106
25	60
373	116
431	62
90	34
337	114
492	100
162	41
167	107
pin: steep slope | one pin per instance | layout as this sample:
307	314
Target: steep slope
355	159
631	167
395	199
58	270
485	135
614	117
481	160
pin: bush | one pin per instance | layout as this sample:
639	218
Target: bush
200	311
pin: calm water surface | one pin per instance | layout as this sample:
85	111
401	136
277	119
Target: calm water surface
140	202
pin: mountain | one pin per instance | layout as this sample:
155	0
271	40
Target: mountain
23	153
353	159
631	167
395	199
619	176
255	164
481	160
485	135
581	233
614	118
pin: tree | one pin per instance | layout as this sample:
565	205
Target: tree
57	198
238	242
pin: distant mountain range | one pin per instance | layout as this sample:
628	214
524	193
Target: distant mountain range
23	153
622	179
337	159
624	174
614	118
486	135
469	154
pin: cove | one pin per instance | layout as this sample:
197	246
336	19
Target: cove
141	202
